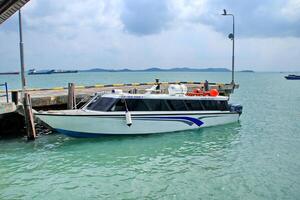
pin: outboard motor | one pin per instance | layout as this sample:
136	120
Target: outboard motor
236	108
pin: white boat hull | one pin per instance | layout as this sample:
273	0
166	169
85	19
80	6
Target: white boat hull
93	125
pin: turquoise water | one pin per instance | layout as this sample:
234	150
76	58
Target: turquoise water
257	158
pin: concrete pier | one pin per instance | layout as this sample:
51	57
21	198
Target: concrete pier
7	107
57	98
11	121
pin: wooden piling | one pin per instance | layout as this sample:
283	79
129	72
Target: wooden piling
71	96
29	121
15	97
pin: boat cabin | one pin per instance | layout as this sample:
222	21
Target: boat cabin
140	103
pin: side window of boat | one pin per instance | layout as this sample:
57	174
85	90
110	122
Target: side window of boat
206	104
101	104
119	105
210	105
177	105
222	105
93	103
153	104
137	105
164	105
194	105
157	105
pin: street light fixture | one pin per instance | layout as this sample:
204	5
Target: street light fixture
231	36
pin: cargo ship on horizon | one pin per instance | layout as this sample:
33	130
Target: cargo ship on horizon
35	72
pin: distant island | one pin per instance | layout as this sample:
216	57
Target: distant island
251	71
156	69
153	69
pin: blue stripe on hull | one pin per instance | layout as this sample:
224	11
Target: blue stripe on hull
188	120
77	134
191	119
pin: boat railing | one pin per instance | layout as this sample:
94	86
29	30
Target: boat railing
102	93
6	90
83	101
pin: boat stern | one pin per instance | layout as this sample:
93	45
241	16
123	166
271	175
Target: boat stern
236	108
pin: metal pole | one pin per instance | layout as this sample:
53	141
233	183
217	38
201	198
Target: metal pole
232	70
6	91
22	55
231	36
29	120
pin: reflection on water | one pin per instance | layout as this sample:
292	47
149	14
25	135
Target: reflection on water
191	142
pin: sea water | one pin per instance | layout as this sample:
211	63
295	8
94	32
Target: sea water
257	158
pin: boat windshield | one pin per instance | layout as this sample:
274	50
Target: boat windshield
169	105
116	104
101	104
108	104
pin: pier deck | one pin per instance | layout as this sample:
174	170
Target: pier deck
58	96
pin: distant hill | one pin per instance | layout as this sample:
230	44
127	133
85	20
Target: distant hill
156	69
247	71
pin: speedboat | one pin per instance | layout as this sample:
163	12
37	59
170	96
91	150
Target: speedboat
122	113
293	77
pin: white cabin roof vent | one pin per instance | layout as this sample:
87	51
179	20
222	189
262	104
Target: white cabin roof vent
176	89
117	91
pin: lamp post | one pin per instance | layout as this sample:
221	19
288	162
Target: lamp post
231	36
28	115
23	81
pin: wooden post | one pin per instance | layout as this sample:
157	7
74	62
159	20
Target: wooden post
29	121
14	97
71	96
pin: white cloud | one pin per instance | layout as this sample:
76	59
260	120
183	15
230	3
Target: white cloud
189	9
291	10
64	16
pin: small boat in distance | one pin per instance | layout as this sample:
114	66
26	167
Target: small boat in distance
9	73
292	77
155	111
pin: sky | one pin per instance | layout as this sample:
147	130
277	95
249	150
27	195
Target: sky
139	34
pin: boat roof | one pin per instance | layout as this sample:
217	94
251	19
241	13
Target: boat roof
162	96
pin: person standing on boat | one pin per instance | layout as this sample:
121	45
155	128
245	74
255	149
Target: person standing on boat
206	85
